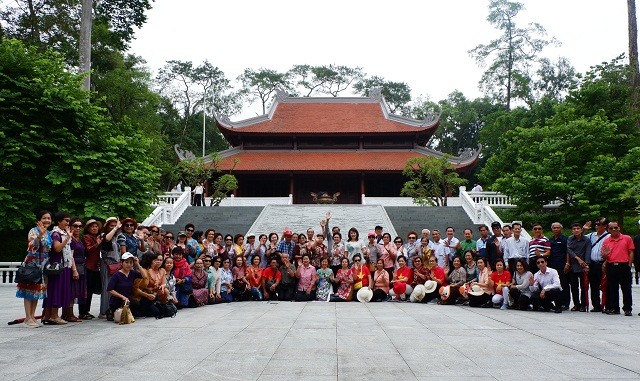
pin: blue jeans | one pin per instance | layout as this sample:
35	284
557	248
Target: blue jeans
226	297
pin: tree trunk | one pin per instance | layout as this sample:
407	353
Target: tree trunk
84	50
633	56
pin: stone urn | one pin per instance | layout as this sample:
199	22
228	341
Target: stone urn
324	197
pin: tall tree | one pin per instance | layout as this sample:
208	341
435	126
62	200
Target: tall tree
192	89
396	94
55	24
326	79
509	56
262	84
431	181
60	152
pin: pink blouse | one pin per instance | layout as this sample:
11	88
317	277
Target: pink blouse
306	277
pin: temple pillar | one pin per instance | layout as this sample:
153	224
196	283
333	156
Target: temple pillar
362	187
291	184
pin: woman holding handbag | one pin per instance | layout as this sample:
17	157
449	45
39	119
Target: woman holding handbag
59	283
39	239
78	283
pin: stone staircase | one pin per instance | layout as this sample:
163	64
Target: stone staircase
274	218
225	219
408	218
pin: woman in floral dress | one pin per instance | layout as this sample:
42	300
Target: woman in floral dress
325	277
344	278
39	240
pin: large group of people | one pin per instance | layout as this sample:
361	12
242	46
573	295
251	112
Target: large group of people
158	272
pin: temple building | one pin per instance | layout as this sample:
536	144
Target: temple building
351	145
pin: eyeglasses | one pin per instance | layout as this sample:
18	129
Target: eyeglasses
539	262
357	260
77	226
128	225
397	241
189	230
155	232
537	228
229	239
412	237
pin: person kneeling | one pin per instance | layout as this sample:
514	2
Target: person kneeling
271	278
546	292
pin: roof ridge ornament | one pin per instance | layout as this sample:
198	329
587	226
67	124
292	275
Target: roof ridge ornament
183	154
281	93
224	119
431	116
375	93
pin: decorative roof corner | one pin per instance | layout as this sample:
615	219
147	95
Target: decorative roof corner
281	94
183	154
376	93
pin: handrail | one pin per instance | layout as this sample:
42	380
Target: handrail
169	208
8	271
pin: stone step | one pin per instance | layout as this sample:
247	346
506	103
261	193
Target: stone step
408	218
274	218
225	219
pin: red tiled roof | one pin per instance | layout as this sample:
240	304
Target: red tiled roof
275	161
327	118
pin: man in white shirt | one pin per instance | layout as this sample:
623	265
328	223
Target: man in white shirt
546	288
515	247
439	250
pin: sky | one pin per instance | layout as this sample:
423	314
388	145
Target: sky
423	42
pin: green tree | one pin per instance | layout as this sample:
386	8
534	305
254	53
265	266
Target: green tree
326	79
396	94
431	180
262	84
55	24
60	152
509	56
197	170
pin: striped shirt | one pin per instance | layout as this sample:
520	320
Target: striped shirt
542	244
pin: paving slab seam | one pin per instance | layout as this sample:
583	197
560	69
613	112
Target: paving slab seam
281	341
389	338
553	341
457	350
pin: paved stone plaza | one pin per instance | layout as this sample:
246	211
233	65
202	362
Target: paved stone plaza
325	341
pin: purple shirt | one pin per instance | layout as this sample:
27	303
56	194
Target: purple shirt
123	285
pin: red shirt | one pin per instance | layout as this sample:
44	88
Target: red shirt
404	274
416	280
267	275
361	274
254	276
92	252
619	248
438	273
499	280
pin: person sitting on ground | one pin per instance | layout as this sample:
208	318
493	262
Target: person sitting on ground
307	279
287	289
271	278
226	281
213	280
380	283
519	290
483	298
436	274
344	279
199	279
170	279
254	276
325	278
501	280
240	281
182	272
456	279
546	292
120	285
420	272
144	291
361	274
401	280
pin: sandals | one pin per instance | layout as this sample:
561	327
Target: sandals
57	321
86	317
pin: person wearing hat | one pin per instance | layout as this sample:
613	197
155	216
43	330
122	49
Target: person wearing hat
371	252
287	245
91	241
127	240
120	285
481	291
251	248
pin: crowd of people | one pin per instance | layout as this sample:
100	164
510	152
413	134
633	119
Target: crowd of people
158	272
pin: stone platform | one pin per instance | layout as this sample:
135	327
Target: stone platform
325	341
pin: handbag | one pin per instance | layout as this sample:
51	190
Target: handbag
185	288
53	269
114	268
28	273
81	269
123	315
